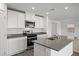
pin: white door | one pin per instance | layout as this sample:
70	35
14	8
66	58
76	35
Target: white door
53	29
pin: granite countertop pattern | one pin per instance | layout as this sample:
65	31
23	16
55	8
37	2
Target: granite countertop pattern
15	36
21	35
56	44
40	33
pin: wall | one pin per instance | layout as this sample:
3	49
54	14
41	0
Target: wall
3	30
49	27
64	30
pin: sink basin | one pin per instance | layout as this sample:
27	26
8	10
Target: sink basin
51	38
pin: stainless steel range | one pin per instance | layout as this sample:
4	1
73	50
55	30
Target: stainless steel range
30	38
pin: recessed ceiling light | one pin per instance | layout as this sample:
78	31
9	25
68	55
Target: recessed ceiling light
33	8
66	8
47	13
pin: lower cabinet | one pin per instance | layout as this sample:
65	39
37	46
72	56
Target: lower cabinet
16	45
40	50
76	45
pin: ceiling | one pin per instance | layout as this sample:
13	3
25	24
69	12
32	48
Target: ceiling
56	10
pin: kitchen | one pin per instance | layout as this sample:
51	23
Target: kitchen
22	31
29	33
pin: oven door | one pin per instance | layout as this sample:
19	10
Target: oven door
30	39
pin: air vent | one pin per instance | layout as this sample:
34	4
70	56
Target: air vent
39	15
52	9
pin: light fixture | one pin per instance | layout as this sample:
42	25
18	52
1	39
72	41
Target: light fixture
33	8
66	8
47	13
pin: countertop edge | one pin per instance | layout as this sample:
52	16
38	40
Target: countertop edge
46	46
50	47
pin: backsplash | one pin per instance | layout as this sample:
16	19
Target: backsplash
20	30
36	29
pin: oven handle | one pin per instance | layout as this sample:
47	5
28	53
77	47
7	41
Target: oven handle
32	37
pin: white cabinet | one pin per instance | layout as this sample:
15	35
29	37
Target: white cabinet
40	50
12	19
16	19
76	45
16	45
30	16
21	20
40	22
44	23
37	22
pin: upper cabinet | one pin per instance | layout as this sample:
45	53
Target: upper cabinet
12	19
39	21
21	20
30	17
16	19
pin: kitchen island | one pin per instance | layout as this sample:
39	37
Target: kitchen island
57	47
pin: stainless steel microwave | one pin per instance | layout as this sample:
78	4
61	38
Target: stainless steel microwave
29	24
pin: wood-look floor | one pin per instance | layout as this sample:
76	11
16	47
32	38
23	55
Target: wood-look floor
30	52
26	53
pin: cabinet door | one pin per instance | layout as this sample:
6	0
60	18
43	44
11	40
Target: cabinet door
44	21
12	19
29	16
22	44
39	50
37	22
41	23
21	20
76	45
16	45
12	46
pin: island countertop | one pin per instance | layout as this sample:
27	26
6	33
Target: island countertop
56	44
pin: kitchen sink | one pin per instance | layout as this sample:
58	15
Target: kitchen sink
51	38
